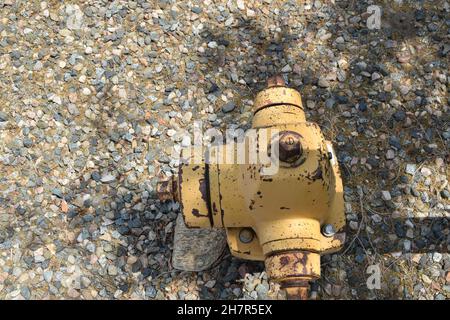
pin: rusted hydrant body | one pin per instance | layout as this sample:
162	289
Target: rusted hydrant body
287	217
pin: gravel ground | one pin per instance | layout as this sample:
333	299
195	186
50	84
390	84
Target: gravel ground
94	96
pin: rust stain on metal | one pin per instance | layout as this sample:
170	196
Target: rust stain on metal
284	261
302	260
252	203
297	290
203	188
317	174
196	213
275	81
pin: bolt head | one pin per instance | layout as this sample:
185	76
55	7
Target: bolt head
328	230
246	235
290	148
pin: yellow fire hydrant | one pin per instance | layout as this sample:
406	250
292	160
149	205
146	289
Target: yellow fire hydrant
286	217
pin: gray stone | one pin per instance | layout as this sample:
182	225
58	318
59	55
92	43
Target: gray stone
48	275
286	69
25	292
323	82
228	107
386	195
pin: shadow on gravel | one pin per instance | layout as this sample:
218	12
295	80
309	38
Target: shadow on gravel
265	54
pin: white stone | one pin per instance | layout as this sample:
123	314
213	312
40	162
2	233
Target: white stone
251	13
186	141
410	233
386	195
48	275
38	66
229	21
112	270
171	132
340	40
56	99
425	172
146	130
376	76
426	279
151	235
240	4
108	178
410	168
122	93
310	104
353	225
404	89
390	154
437	257
75	17
212	44
409	224
377	218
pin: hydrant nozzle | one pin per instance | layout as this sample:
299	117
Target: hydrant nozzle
293	270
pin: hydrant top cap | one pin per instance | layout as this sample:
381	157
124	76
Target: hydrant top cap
277	95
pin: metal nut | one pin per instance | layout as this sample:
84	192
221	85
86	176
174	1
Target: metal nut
290	148
246	235
328	230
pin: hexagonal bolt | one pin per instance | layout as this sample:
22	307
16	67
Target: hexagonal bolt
328	230
290	148
246	235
